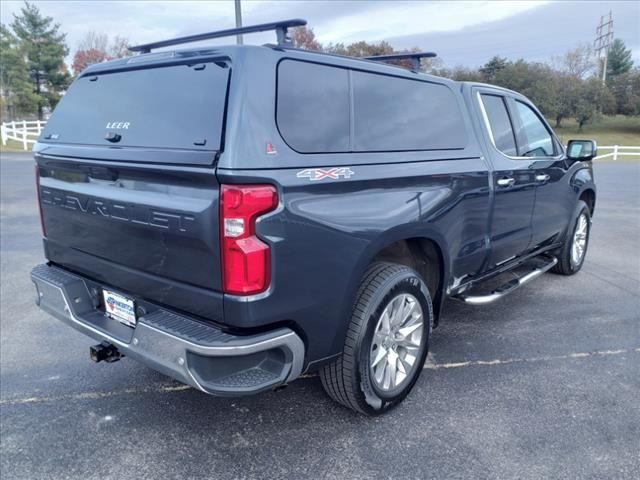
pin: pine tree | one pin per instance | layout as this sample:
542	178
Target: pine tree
492	68
17	93
44	48
619	60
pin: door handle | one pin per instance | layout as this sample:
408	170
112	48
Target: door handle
542	177
506	181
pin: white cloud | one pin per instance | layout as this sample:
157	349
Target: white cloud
392	19
333	21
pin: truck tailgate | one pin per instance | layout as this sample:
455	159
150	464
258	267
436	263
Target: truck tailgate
148	229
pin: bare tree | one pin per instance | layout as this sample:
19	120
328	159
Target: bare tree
93	40
578	62
119	47
95	48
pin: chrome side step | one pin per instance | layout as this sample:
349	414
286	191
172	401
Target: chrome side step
508	287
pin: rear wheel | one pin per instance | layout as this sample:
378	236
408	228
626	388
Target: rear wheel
386	343
574	250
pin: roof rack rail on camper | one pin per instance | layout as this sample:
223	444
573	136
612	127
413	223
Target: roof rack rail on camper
413	56
281	29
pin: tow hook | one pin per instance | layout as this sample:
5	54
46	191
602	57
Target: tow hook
104	351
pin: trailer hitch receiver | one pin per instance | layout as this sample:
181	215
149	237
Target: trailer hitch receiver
104	351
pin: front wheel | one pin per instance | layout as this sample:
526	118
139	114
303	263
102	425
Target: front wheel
574	250
386	343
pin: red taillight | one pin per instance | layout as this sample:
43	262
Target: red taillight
245	258
44	231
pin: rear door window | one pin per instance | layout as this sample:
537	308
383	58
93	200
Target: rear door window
172	107
501	129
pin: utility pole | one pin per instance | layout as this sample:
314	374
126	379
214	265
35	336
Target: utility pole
604	38
238	21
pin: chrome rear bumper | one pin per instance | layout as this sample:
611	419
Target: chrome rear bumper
191	351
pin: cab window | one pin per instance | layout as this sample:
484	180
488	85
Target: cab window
499	124
534	138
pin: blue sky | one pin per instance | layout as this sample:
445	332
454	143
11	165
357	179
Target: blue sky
463	33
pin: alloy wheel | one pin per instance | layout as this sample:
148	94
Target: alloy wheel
396	342
579	244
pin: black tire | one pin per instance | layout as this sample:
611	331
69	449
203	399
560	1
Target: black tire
348	380
566	264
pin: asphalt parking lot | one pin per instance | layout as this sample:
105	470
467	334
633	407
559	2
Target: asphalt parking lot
545	383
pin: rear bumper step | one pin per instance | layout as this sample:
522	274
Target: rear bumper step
192	352
538	269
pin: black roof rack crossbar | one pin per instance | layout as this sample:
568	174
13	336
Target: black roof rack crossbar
280	28
413	56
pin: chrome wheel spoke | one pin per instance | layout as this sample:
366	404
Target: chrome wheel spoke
408	308
397	311
386	377
406	331
379	372
379	338
392	360
407	363
409	347
380	353
385	324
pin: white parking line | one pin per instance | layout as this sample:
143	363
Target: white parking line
429	365
96	395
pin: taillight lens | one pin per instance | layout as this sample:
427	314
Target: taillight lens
37	172
245	258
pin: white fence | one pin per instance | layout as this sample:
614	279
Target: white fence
618	150
25	132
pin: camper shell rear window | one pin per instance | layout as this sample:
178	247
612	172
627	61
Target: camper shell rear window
163	107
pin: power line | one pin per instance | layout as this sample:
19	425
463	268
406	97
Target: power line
602	43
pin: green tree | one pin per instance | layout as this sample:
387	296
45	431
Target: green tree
490	69
44	48
591	97
562	105
17	94
619	60
534	80
626	90
461	74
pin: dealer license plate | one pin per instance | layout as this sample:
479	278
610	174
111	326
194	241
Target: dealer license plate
119	308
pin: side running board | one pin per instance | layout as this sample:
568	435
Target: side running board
507	288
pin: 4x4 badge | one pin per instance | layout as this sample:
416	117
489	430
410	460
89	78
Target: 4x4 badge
315	174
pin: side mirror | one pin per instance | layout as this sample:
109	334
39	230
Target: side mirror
581	150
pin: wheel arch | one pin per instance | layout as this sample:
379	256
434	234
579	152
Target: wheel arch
588	196
583	185
424	250
384	244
